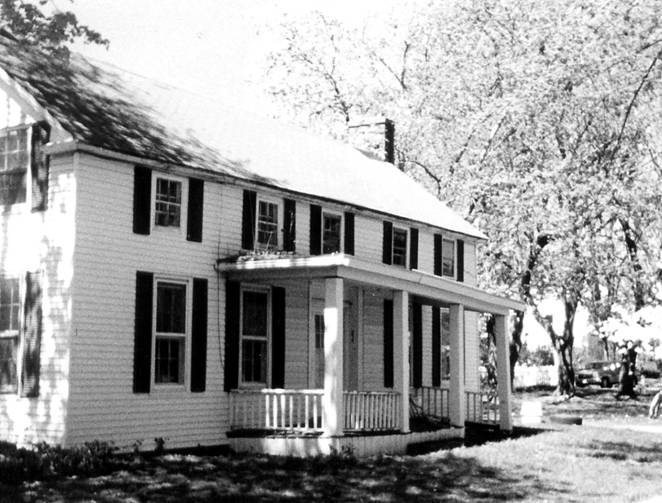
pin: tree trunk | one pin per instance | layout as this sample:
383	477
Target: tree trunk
626	375
515	343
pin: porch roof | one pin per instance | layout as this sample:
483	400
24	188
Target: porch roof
434	289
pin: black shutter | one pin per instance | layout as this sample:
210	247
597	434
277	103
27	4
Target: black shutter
32	327
232	327
277	337
417	344
437	254
387	243
248	220
142	342
199	336
436	346
460	260
289	225
413	248
349	233
315	229
39	166
196	192
388	343
142	199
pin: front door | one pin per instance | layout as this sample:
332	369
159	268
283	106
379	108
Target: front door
350	348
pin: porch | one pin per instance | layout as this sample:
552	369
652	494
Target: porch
364	355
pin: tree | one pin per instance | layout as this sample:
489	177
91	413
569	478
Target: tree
532	119
29	23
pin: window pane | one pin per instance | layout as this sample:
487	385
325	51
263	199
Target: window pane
445	344
448	258
169	365
254	361
8	352
168	205
254	314
267	225
171	308
331	234
400	247
9	304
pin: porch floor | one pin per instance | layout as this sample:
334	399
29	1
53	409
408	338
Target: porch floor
361	444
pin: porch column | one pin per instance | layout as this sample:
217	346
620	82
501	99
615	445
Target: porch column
503	372
456	393
401	355
333	415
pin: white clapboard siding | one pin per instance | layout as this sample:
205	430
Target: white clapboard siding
373	339
296	334
425	251
108	254
427	345
43	241
368	238
470	263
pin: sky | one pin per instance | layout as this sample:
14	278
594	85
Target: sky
212	47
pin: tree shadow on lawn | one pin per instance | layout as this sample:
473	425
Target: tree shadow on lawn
626	451
441	476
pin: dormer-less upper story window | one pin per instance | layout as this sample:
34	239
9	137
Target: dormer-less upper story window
267	225
448	258
331	232
14	162
168	202
400	247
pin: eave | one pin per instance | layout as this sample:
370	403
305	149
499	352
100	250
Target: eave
434	289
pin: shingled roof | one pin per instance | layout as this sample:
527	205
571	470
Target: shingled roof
105	107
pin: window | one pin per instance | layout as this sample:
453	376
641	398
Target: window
399	247
267	225
170	337
445	344
9	333
331	232
448	258
14	161
254	336
168	208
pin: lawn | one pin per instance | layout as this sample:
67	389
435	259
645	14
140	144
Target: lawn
575	463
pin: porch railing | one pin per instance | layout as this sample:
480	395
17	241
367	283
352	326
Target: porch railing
276	409
300	411
432	401
482	407
371	410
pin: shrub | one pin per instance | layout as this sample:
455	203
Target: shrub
46	461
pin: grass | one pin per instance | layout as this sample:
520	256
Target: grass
567	464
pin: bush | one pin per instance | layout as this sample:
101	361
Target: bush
46	461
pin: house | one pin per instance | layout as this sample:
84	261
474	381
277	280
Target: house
174	269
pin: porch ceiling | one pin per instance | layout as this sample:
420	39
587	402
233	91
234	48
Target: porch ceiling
435	289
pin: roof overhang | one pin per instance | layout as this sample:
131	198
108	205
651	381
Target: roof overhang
434	289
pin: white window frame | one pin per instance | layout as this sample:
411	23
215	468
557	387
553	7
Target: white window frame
406	250
183	209
251	384
453	243
11	334
279	223
27	203
341	240
186	282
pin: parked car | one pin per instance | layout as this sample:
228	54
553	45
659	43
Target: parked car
603	373
648	369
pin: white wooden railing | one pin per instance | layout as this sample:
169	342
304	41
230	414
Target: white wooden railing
371	410
432	401
301	410
276	409
482	407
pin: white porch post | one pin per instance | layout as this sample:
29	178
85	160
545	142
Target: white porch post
503	372
456	394
333	415
401	354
